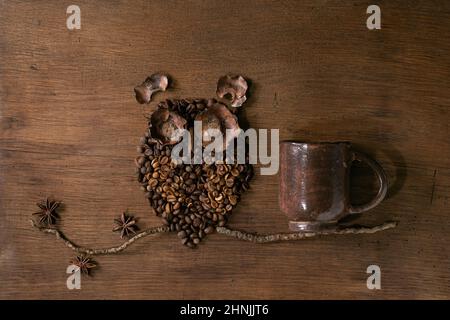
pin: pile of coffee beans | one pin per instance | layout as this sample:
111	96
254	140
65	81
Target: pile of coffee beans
191	199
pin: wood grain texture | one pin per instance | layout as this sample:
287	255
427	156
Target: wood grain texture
69	126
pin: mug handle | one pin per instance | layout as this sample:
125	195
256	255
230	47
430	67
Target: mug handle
382	179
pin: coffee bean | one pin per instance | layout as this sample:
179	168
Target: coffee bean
165	168
197	222
164	160
190	244
171	198
152	183
193	235
235	172
233	199
167	209
209	230
229	182
155	163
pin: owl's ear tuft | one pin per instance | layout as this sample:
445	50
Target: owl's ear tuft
233	88
156	82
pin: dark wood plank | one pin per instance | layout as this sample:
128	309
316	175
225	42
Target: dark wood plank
69	125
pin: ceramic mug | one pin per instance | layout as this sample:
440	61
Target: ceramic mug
314	183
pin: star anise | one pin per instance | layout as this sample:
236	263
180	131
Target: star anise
84	263
47	215
126	225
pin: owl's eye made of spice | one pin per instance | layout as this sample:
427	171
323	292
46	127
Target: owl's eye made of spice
165	124
218	117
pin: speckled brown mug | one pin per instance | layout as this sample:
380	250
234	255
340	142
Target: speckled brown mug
314	183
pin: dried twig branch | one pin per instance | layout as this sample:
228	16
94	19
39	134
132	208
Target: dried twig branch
101	251
241	235
266	238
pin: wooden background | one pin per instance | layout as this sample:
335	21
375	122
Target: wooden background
69	128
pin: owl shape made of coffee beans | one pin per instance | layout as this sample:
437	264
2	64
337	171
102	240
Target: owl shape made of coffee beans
192	198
